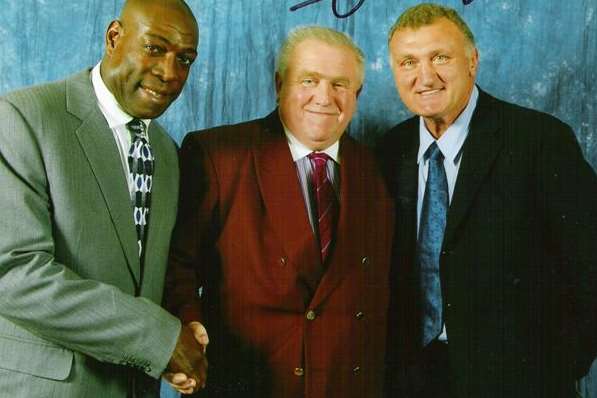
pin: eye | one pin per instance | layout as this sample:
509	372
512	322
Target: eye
341	84
153	49
408	63
440	59
308	82
185	60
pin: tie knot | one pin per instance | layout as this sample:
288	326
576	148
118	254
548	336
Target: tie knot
319	158
136	127
433	153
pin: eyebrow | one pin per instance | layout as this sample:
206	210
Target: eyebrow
322	76
165	40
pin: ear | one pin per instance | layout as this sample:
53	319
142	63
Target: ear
113	34
474	62
359	91
278	80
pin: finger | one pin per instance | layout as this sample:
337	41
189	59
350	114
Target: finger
190	384
179	378
186	391
200	332
189	390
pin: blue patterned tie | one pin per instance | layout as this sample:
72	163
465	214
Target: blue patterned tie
429	244
140	160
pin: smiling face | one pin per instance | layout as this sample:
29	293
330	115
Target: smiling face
434	68
318	92
148	57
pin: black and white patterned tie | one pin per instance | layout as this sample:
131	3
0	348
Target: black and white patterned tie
140	160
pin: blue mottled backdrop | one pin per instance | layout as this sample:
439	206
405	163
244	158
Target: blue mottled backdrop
538	53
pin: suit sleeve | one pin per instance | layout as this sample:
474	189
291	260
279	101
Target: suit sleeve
47	298
195	234
568	193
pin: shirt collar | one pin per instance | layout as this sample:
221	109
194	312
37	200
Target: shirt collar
112	111
451	141
299	150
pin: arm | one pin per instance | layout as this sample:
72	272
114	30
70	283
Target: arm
46	297
568	194
192	239
193	242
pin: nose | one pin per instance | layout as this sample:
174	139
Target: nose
426	74
322	93
166	68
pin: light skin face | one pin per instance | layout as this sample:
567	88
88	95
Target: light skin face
149	52
318	94
434	68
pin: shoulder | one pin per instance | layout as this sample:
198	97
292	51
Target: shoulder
232	139
49	101
44	98
401	135
520	122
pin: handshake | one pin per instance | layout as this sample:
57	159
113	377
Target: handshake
187	370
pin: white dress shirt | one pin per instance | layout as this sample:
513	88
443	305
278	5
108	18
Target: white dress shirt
117	120
304	170
450	144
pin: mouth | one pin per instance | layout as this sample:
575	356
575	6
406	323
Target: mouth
321	113
156	94
429	93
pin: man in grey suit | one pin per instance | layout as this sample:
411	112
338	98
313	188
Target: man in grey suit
89	191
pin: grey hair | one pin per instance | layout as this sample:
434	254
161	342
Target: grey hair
326	35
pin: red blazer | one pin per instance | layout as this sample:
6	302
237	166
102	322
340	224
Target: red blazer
280	323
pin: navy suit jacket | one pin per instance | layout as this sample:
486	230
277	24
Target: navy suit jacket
518	265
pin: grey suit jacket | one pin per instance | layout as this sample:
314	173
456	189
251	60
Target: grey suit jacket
79	314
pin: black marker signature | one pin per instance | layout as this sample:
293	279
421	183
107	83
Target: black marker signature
334	7
349	13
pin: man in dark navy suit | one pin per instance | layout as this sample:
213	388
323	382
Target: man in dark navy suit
495	264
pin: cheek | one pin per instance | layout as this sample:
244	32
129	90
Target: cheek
347	103
403	81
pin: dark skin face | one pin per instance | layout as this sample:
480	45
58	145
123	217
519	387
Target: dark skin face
149	52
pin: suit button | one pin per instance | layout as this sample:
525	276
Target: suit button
359	315
356	370
283	260
365	260
299	372
311	315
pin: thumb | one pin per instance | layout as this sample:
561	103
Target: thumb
199	332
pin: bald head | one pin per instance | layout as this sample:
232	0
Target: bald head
132	8
149	52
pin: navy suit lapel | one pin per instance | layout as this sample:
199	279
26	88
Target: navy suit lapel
407	184
479	152
101	151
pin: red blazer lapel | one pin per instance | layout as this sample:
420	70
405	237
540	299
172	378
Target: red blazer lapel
349	241
284	202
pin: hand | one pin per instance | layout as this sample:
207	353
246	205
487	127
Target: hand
187	369
180	382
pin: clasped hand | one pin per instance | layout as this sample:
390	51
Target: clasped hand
187	369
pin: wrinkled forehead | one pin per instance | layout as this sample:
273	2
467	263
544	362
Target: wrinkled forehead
441	34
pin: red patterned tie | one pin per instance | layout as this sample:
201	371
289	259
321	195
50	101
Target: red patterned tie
327	204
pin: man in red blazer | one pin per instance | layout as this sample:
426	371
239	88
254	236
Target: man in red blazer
284	234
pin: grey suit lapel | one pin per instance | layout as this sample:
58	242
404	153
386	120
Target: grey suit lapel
101	151
479	152
164	191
